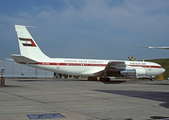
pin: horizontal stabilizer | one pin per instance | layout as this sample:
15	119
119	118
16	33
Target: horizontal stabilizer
23	60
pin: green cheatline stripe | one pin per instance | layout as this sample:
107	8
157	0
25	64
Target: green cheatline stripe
24	39
24	44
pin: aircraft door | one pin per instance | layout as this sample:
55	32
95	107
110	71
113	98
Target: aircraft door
57	65
149	70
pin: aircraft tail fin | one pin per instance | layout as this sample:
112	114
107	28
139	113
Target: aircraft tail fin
27	45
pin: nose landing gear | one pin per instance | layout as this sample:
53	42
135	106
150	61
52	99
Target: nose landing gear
151	79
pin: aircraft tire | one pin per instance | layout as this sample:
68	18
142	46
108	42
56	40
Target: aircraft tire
107	79
92	78
151	79
104	79
65	76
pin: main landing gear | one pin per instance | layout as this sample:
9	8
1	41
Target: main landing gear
100	79
92	78
107	79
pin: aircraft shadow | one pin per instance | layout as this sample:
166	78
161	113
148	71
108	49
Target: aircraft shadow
114	81
31	80
61	80
150	95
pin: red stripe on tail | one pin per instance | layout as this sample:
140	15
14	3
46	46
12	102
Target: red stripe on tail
32	42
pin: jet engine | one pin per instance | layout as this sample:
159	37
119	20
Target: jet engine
128	72
133	73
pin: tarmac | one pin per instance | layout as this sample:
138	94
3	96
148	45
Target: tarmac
79	99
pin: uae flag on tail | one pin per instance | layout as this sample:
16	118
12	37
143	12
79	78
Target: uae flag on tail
27	42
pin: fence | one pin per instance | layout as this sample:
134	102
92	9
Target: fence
10	68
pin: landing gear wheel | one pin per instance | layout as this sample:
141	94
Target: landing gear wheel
107	79
60	76
65	76
92	78
101	79
151	79
104	79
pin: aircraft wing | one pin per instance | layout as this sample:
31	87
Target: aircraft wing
94	71
114	67
153	47
22	59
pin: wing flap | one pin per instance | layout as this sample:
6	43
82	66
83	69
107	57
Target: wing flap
113	68
95	72
116	64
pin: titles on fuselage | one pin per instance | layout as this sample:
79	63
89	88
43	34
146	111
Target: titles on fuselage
137	63
83	61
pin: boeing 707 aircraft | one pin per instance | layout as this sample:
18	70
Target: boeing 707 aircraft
153	47
31	55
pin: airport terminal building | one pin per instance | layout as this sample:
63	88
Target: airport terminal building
10	68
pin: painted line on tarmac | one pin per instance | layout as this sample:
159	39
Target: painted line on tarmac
115	108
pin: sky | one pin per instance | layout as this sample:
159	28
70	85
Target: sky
94	29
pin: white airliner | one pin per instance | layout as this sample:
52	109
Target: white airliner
153	47
31	55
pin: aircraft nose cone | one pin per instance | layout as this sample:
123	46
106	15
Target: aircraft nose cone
163	70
